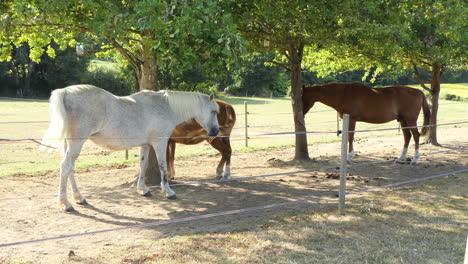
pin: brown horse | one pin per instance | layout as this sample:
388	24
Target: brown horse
370	105
190	133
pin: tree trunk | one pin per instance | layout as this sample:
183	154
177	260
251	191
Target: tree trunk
295	59
148	80
148	75
435	92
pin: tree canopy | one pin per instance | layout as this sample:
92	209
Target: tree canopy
392	35
146	33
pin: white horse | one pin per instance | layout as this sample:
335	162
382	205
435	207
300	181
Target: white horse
144	119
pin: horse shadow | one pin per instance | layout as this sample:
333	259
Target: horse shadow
195	200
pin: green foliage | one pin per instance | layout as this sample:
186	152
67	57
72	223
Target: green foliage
178	33
23	77
109	76
393	35
253	78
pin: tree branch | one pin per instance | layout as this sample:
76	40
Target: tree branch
420	79
279	64
134	61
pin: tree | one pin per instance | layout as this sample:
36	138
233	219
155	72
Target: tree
390	34
287	27
435	39
145	32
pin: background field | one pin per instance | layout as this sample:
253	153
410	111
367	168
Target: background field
23	119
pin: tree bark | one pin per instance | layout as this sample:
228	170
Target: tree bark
148	75
435	92
295	59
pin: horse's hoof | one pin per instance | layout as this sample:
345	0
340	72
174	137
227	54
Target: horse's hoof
67	208
172	197
82	202
79	199
144	192
399	161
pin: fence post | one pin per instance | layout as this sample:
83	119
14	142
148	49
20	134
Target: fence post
126	154
246	124
344	160
466	251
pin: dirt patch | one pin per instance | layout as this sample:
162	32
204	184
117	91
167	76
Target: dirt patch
28	204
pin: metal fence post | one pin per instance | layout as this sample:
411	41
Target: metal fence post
246	124
344	160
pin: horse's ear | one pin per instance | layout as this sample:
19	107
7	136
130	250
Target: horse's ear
211	97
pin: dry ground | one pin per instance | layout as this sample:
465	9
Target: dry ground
28	204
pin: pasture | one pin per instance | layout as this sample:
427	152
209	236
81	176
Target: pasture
420	223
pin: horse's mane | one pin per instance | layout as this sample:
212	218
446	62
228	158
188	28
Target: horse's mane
186	104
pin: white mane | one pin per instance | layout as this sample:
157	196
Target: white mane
186	104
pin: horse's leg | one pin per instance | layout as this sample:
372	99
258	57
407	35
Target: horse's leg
224	147
407	137
160	147
171	145
72	150
141	186
227	154
352	127
415	132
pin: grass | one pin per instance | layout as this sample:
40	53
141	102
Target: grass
266	116
420	223
458	89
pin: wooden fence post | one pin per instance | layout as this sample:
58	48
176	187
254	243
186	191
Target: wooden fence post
466	251
344	161
246	124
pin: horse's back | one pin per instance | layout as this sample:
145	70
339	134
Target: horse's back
84	105
110	121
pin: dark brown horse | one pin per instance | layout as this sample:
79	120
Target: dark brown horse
189	133
370	105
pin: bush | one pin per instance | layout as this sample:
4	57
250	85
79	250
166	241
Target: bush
108	76
452	97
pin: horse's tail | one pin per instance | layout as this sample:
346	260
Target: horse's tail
54	137
427	116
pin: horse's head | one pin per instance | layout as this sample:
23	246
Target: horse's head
208	118
308	99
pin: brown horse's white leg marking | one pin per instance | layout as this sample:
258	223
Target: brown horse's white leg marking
402	158
416	157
